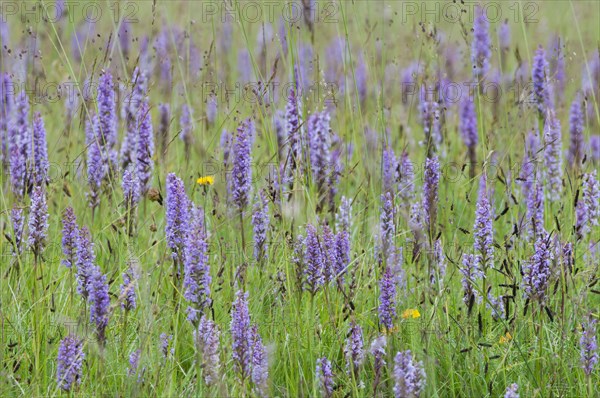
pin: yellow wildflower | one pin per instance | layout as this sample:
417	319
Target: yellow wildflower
505	339
208	180
411	313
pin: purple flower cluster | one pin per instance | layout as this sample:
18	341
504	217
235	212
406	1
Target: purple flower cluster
528	174
19	143
240	335
468	124
481	45
131	188
177	204
496	305
336	170
40	151
511	391
131	110
6	106
591	195
107	119
295	132
557	67
226	144
260	363
185	123
541	84
431	118
164	112
595	148
483	231
590	79
134	361
69	362
165	66
279	125
353	349
430	193
165	341
244	66
437	273
314	263
329	253
85	262
96	166
387	299
553	156
304	67
242	164
99	302
409	376
145	147
504	36
588	207
377	349
416	223
38	221
535	212
197	279
406	179
319	140
260	225
70	234
124	39
342	253
211	109
387	229
321	257
389	171
361	79
343	217
576	126
536	271
225	36
471	274
589	346
248	352
207	340
324	376
79	41
128	296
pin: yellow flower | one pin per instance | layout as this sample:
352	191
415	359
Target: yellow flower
208	180
411	313
505	339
